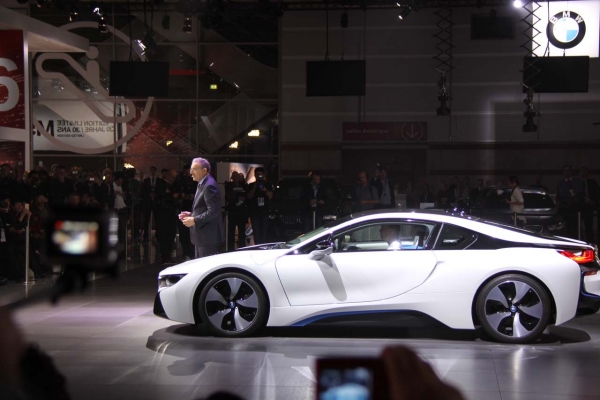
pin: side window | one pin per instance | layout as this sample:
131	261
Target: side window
455	238
384	236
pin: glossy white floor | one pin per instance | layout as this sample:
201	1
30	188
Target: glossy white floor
110	346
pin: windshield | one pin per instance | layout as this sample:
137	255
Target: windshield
316	232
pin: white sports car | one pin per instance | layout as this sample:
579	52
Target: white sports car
459	270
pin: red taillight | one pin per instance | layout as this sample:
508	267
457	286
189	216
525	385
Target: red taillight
585	257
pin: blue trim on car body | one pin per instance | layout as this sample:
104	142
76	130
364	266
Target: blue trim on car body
315	318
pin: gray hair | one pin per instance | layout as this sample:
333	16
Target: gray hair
203	163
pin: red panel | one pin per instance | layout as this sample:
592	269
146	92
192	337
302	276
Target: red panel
12	80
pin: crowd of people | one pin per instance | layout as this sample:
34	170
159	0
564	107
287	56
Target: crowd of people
138	199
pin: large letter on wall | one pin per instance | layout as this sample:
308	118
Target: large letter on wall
12	80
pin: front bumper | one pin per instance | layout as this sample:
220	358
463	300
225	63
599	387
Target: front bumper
589	295
158	307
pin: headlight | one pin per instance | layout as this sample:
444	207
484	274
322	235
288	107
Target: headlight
556	227
329	217
169	280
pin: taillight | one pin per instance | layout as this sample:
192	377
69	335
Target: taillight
583	257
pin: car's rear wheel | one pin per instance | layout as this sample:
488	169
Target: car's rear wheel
233	305
513	308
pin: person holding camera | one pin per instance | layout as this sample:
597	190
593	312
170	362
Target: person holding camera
204	221
260	194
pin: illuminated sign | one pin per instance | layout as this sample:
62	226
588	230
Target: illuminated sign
567	28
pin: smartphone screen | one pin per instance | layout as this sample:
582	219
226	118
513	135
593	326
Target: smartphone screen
351	383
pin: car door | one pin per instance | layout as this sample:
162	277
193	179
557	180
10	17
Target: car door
363	266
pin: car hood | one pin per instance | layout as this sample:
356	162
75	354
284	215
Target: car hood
231	259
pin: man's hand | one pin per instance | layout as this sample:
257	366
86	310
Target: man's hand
184	214
410	378
189	221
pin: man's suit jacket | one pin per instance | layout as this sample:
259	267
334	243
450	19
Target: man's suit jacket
563	194
206	210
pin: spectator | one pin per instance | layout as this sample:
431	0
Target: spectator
74	201
60	187
148	201
488	183
119	205
91	185
537	183
453	186
167	194
516	202
591	195
164	173
188	191
108	192
426	196
17	222
444	196
461	194
236	203
478	194
385	190
5	270
134	188
260	194
39	212
365	195
569	198
313	199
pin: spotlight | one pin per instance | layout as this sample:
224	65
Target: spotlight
234	145
74	14
187	24
149	45
518	4
102	26
254	133
404	13
443	96
166	22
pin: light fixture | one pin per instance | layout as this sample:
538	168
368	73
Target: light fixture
404	13
530	113
166	22
254	133
234	145
128	166
443	96
102	28
74	14
169	142
187	24
57	85
518	4
213	86
97	10
236	85
212	63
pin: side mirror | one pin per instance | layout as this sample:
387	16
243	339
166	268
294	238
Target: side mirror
324	248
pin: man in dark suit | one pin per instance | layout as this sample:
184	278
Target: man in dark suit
149	189
591	195
313	199
204	221
569	199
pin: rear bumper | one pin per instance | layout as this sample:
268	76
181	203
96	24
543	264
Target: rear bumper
589	295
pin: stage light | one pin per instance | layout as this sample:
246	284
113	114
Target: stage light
187	24
102	26
234	145
169	142
518	4
128	166
254	133
404	13
166	22
74	14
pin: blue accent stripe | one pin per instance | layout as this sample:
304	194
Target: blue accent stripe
312	319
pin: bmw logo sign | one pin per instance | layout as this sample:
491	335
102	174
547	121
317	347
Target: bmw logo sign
566	29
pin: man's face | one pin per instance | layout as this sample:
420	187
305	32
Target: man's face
567	172
61	172
384	174
512	184
18	207
119	181
173	173
198	172
74	201
152	172
362	178
108	178
388	233
316	180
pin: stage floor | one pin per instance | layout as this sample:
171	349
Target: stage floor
110	346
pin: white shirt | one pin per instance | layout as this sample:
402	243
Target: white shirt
119	201
517	197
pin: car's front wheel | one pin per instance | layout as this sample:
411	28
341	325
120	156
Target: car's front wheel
513	308
233	305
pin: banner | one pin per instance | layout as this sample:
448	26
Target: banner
571	28
12	80
378	131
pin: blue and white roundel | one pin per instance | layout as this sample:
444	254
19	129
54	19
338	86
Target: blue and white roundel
566	30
